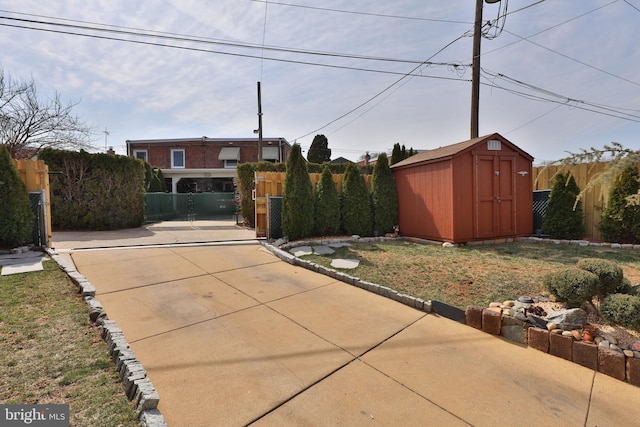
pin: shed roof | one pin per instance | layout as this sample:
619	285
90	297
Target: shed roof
450	151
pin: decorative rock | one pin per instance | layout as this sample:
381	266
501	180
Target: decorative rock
520	316
635	346
345	263
627	353
525	299
636	354
514	330
541	299
604	344
576	335
537	321
449	245
610	338
615	347
551	326
508	303
323	250
573	318
495	304
567	334
598	339
557	331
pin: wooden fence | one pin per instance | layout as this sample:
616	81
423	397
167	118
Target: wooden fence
272	183
593	201
35	175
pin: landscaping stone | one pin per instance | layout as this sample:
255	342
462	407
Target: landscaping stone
525	300
299	251
633	371
345	264
491	321
323	250
514	330
473	316
339	244
537	321
611	363
152	418
585	354
573	318
635	346
539	339
561	346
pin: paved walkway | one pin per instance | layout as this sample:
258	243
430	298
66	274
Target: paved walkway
230	335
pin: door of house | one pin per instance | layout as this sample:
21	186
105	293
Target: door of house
495	196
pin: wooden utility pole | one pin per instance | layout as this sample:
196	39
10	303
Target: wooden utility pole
259	124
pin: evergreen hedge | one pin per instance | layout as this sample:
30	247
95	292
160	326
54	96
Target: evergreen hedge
572	285
356	204
297	198
384	197
620	221
562	220
609	274
622	309
16	216
327	205
95	191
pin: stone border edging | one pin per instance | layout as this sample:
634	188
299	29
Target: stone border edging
606	361
137	387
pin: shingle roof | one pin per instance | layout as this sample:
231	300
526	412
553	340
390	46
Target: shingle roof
442	152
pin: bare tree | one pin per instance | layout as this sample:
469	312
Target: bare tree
29	122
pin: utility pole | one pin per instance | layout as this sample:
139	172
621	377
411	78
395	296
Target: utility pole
259	124
475	67
106	134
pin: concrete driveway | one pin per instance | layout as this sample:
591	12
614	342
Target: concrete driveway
230	336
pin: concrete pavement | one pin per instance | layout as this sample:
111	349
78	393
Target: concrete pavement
230	335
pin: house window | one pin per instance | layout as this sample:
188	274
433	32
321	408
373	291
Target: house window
271	154
177	159
230	156
140	154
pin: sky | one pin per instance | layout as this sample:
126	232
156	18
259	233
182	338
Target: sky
557	76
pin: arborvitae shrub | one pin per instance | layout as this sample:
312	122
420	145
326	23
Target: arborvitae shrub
356	204
623	310
620	221
561	220
297	199
384	197
327	218
572	285
16	216
609	274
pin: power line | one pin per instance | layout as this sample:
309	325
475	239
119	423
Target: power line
352	12
636	8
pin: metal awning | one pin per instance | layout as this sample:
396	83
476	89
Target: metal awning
229	153
270	153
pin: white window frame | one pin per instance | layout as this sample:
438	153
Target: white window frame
173	164
137	152
230	164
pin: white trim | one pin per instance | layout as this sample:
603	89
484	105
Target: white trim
146	155
173	164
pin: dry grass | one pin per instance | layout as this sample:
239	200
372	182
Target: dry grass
51	354
471	275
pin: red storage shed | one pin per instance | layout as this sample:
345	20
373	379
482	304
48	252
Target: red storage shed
479	189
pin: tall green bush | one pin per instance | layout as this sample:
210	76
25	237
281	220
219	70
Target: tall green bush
16	217
384	197
95	191
356	204
621	221
297	198
564	218
327	217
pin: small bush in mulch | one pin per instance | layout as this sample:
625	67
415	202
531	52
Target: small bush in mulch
623	310
572	285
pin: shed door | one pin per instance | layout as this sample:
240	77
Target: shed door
495	201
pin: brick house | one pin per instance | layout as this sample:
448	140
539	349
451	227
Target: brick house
205	164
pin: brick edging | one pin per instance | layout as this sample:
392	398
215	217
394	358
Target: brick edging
137	387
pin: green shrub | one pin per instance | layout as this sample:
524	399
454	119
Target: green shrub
626	288
562	220
609	274
620	221
356	204
621	309
297	198
16	217
384	197
572	285
327	205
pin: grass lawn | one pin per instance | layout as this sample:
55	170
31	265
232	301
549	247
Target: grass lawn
471	275
50	353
